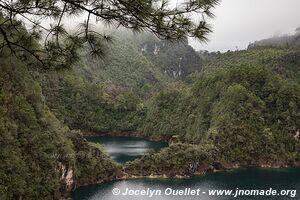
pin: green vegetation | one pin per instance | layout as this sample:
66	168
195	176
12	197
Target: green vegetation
41	158
238	108
92	163
91	107
248	113
283	41
37	152
27	168
282	61
178	159
141	63
235	116
61	46
125	66
174	58
109	95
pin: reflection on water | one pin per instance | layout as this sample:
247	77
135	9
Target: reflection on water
279	179
123	149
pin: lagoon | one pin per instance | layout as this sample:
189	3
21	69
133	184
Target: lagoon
241	181
248	179
123	149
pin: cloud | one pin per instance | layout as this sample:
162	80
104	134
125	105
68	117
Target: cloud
239	22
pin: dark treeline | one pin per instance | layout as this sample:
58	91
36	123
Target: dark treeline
284	41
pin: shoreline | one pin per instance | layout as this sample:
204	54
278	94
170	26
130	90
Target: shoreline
202	170
135	134
208	170
197	174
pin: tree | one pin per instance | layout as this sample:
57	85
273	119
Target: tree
44	19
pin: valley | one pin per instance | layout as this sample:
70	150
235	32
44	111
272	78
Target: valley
218	111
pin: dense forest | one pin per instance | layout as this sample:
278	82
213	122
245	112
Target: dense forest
231	108
41	158
231	99
113	91
235	108
243	106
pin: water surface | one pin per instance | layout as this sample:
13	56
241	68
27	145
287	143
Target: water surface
123	149
279	179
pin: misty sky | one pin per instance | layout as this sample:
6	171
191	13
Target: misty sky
239	22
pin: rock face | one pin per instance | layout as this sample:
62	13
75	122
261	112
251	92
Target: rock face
66	175
176	59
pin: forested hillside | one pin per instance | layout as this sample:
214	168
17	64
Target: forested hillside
283	41
124	65
282	61
176	59
244	104
40	157
110	94
53	81
80	104
141	63
250	96
238	107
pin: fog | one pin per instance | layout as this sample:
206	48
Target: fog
239	22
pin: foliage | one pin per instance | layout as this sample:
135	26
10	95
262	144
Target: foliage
27	157
91	107
93	165
178	159
108	94
175	58
61	47
283	41
235	110
282	61
33	143
243	107
125	66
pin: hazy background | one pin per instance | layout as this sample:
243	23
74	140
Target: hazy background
239	22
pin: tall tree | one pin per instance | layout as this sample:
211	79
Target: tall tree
44	19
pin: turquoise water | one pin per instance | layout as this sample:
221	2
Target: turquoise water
258	179
123	149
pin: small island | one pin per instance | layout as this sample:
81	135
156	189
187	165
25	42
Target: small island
137	73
